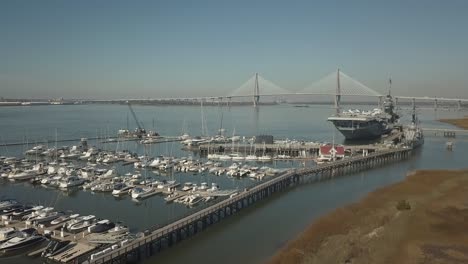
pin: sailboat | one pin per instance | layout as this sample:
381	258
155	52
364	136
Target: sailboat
251	156
264	156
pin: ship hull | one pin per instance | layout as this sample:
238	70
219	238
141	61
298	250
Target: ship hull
373	131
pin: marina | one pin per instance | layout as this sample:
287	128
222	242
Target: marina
197	177
89	168
228	132
197	222
121	247
199	181
192	175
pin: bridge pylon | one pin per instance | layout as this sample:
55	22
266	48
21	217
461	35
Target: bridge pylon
256	93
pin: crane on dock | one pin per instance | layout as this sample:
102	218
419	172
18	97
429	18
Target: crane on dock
140	130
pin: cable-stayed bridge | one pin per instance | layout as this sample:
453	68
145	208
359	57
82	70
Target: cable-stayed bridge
336	84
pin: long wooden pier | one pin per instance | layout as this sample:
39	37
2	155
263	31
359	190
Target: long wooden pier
306	149
168	235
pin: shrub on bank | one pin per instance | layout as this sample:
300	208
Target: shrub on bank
403	205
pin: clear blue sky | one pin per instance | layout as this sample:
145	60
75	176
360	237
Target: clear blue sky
129	49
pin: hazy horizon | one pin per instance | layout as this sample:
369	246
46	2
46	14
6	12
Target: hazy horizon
122	49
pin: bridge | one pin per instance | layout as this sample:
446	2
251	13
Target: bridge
336	84
166	236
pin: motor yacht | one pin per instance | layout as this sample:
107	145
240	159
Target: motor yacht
19	174
63	219
121	189
7	203
141	193
84	223
25	238
6	233
101	226
45	217
71	181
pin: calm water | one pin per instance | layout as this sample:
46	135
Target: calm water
249	237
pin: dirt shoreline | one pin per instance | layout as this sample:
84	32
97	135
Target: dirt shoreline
459	122
374	230
422	219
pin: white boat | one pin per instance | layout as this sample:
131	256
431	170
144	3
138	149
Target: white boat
155	163
84	223
118	229
193	200
71	155
45	217
165	184
203	186
80	226
101	226
121	189
87	172
103	187
225	157
39	210
24	239
251	157
19	174
237	156
63	219
7	204
51	170
36	150
323	159
185	136
265	158
109	174
7	233
109	159
27	210
130	158
166	166
213	156
140	193
71	181
187	186
88	154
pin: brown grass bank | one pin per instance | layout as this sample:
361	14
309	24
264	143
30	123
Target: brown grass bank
459	122
423	219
